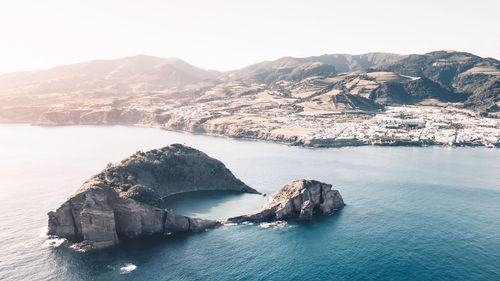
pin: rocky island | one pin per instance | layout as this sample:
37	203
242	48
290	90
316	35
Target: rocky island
298	199
124	200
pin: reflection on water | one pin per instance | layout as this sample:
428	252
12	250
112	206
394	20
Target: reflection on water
210	204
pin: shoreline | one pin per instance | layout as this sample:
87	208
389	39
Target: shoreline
330	143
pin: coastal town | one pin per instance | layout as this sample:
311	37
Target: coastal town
268	114
294	101
402	125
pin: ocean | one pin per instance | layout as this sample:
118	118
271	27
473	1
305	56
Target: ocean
430	213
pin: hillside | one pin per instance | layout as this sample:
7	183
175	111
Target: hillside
458	72
137	74
290	68
144	89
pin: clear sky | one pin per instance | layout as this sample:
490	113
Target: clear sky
229	34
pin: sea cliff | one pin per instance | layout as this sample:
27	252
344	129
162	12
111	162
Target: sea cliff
125	199
299	199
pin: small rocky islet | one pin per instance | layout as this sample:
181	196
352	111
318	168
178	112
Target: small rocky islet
124	201
301	199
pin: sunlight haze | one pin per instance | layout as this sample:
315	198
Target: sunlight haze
242	140
225	35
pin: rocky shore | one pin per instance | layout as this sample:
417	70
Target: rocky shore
396	126
299	199
125	200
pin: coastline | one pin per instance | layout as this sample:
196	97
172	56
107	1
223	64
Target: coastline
385	183
312	143
332	143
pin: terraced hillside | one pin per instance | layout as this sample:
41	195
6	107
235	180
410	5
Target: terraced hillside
331	100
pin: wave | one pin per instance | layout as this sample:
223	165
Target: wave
274	224
54	242
77	248
129	267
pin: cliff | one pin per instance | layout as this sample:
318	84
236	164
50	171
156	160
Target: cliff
125	199
299	199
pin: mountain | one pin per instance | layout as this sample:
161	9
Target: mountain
367	90
360	82
458	72
135	74
290	68
445	76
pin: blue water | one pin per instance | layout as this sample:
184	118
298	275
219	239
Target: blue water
412	213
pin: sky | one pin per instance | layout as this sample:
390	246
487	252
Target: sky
230	34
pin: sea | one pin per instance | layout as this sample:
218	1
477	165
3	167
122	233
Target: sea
412	213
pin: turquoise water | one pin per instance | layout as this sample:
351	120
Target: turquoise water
411	214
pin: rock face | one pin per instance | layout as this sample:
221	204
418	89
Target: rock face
301	199
124	200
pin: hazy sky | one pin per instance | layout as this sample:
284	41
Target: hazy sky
228	34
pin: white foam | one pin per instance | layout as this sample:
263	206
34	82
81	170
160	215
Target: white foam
54	242
129	267
230	224
77	248
265	225
275	224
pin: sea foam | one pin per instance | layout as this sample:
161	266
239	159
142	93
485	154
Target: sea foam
129	267
275	224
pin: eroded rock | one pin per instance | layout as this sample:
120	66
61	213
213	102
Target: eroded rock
124	200
299	199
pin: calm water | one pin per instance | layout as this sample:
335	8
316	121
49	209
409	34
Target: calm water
412	213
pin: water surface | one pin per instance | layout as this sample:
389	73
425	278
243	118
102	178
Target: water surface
412	213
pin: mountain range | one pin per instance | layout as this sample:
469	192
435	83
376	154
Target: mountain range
349	82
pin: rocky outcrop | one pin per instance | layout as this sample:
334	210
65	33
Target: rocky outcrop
299	199
125	199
